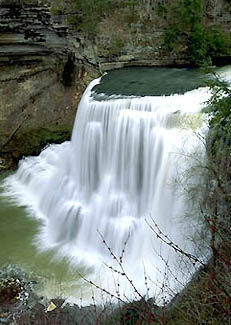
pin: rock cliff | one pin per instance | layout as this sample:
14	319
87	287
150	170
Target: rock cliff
46	63
40	83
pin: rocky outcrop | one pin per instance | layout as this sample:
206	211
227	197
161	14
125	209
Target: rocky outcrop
45	65
38	106
27	33
127	37
40	82
102	56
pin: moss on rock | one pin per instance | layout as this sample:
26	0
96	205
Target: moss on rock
31	142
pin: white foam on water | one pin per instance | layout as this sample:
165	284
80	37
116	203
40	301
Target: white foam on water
116	175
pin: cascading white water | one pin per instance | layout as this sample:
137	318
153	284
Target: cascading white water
116	174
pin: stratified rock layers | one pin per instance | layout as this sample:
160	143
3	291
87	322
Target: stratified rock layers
45	67
40	85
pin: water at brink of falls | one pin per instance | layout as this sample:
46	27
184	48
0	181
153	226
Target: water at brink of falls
119	173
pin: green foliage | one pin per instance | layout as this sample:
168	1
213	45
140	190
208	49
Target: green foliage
191	12
186	28
219	108
187	32
85	15
90	12
218	42
116	46
162	10
207	43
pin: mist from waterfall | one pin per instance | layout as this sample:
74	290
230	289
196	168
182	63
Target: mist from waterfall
124	168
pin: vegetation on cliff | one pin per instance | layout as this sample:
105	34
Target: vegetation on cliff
207	300
197	30
186	27
187	30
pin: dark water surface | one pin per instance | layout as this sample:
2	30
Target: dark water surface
147	81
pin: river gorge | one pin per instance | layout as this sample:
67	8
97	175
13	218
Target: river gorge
114	159
125	171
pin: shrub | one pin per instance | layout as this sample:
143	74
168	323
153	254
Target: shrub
187	28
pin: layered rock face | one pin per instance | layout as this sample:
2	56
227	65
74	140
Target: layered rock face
40	84
27	33
45	65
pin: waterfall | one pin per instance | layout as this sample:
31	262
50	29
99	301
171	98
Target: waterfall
98	193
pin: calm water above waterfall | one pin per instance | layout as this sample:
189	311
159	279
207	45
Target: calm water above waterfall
144	81
126	166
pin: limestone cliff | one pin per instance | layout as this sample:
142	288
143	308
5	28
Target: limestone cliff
40	84
126	34
46	61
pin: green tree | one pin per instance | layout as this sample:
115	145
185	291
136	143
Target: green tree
188	31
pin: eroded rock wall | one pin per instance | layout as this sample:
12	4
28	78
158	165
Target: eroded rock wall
135	37
40	81
45	64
